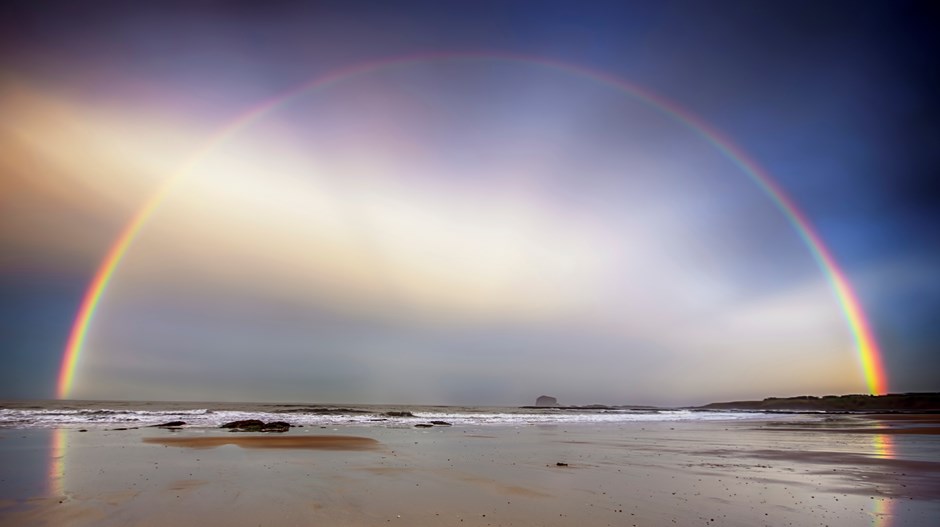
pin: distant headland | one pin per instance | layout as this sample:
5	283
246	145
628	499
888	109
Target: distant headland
892	402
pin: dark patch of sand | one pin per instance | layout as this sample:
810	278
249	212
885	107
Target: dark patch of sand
912	430
187	484
502	488
893	424
922	418
918	475
842	458
384	471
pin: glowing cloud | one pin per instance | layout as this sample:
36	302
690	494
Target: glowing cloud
864	343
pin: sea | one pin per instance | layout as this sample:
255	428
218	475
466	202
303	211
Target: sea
112	414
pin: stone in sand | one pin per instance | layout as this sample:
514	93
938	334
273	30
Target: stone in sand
170	424
257	425
245	425
275	426
440	423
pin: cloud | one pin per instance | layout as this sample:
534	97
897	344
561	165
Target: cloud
73	174
339	249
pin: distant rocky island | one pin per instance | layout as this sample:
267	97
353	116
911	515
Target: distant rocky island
547	401
893	402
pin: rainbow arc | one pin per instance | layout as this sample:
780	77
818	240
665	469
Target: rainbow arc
866	347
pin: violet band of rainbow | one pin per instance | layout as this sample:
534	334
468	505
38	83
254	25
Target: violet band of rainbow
866	347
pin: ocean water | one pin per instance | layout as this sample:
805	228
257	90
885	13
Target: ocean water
111	414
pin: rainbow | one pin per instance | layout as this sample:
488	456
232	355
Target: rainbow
55	476
882	510
865	345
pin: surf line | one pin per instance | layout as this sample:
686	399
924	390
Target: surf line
866	347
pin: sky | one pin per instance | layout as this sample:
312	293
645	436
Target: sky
476	208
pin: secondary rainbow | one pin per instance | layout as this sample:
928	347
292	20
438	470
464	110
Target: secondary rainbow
866	347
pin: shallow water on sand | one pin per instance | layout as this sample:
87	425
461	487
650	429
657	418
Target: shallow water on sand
732	472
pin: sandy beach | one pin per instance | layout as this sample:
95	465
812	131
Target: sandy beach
796	470
307	442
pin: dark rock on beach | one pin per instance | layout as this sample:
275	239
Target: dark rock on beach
245	423
256	425
171	424
404	413
431	424
276	426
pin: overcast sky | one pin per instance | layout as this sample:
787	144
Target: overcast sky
461	230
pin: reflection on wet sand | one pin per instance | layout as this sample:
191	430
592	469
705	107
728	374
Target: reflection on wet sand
883	446
56	473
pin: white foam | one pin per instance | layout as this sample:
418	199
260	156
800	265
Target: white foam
109	417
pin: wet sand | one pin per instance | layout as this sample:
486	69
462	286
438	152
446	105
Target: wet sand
270	441
782	471
907	418
882	424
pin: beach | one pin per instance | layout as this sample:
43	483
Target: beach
775	470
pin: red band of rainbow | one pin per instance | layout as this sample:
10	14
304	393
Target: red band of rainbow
866	347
